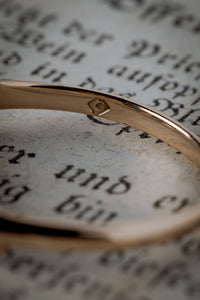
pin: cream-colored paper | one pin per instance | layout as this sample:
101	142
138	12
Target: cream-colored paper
72	166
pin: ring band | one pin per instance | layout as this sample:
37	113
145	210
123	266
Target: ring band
46	232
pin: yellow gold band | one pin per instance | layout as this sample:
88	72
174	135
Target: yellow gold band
46	232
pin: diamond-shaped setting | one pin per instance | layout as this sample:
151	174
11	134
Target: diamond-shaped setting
98	107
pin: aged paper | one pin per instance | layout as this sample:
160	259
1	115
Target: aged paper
73	166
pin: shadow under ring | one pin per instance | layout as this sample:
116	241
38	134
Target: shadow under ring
51	233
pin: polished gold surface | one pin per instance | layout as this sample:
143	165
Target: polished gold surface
46	232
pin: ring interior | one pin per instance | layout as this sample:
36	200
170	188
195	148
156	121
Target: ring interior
31	95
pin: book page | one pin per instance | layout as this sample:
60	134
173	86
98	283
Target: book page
76	167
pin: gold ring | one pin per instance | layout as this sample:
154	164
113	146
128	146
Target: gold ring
46	232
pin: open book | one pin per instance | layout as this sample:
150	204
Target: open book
83	168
